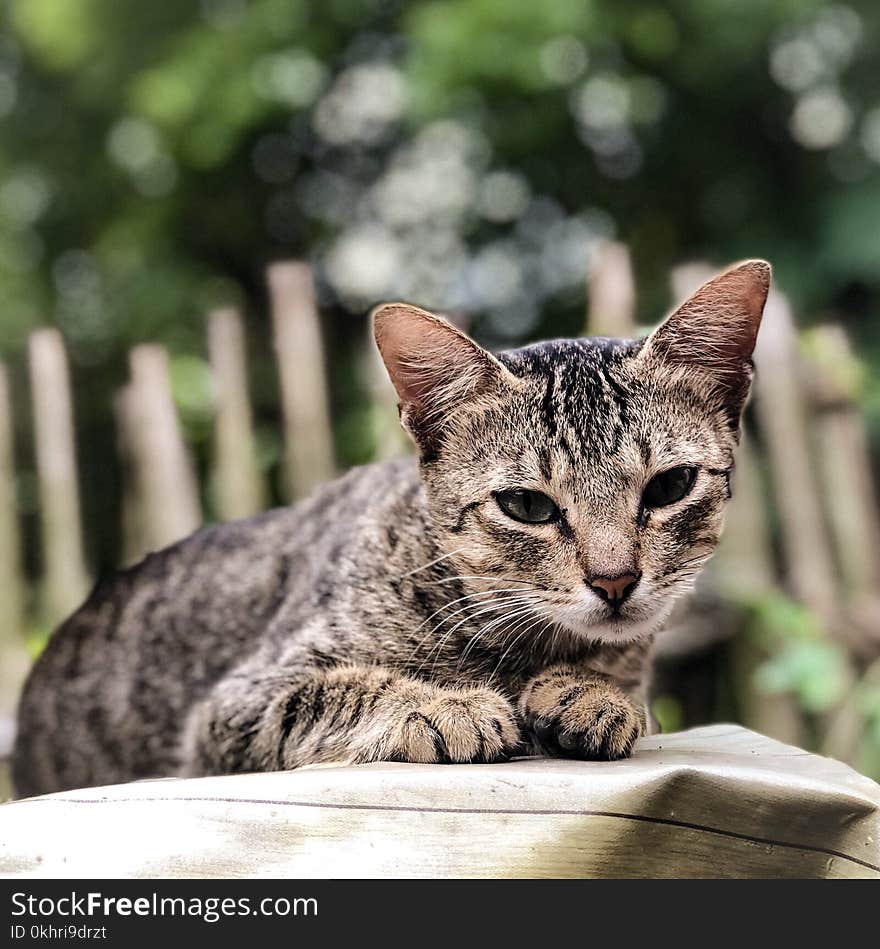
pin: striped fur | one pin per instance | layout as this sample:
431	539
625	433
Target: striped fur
399	613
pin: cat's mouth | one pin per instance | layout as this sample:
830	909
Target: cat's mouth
600	621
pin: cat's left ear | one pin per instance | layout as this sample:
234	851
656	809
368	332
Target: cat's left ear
435	368
713	333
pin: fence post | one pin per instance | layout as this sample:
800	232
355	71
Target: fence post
745	555
845	461
66	578
13	656
611	292
391	440
744	564
308	439
744	567
11	583
237	484
780	410
166	483
134	541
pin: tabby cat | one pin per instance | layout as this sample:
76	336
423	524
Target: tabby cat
498	594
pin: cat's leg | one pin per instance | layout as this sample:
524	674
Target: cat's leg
279	720
575	712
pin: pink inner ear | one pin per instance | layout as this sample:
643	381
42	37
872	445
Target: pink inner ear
717	327
432	364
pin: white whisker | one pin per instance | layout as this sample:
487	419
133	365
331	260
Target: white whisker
521	612
469	596
510	596
541	618
491	579
449	633
431	563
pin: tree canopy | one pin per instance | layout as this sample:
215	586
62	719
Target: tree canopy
465	154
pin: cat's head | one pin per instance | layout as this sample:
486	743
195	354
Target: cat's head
589	475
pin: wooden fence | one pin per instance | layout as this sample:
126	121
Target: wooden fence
805	469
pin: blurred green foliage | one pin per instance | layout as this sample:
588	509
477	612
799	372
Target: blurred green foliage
131	129
467	154
155	155
803	660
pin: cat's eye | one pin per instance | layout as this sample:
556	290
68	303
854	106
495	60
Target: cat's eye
669	486
532	507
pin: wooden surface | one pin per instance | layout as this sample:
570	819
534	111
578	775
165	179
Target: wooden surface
718	801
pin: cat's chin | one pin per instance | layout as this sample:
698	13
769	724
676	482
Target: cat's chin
612	628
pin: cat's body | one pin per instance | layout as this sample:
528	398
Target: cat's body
307	587
416	611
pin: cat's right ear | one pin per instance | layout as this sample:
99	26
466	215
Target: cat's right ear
434	367
713	333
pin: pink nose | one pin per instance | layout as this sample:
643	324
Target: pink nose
614	590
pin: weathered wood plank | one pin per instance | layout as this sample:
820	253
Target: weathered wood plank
714	801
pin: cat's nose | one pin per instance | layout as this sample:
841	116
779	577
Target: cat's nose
614	590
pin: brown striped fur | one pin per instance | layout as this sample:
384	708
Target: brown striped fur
399	613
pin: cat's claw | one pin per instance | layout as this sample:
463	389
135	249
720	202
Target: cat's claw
454	727
590	719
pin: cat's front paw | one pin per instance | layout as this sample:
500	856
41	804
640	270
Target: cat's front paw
583	718
456	726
